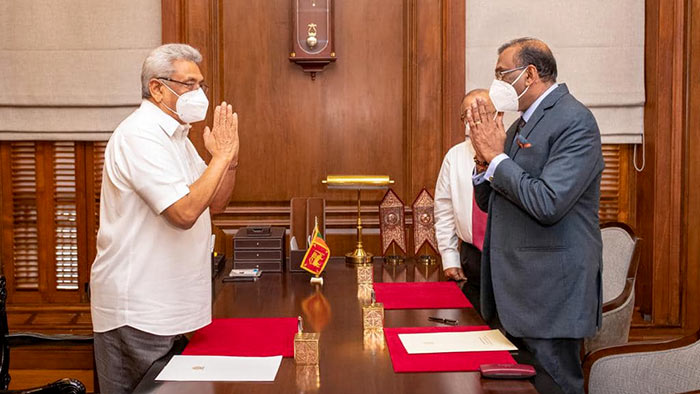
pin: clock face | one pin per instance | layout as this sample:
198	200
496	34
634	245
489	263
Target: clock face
312	25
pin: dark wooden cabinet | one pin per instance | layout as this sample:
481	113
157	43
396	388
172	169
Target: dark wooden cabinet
264	251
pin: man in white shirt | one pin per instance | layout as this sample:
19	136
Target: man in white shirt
459	223
151	279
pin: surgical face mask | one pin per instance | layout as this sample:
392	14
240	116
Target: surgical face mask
504	96
191	106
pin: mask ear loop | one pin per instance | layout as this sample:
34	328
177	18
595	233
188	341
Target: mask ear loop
516	80
519	76
169	88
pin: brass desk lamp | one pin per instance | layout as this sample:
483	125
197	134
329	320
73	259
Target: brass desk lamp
359	183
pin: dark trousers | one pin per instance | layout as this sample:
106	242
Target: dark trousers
560	358
557	361
470	258
123	355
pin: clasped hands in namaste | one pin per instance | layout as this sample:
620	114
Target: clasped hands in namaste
221	140
487	134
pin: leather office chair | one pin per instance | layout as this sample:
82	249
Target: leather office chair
62	386
621	253
645	367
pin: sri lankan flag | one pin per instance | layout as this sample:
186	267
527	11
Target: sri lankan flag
317	254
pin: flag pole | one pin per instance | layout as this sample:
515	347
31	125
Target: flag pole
316	279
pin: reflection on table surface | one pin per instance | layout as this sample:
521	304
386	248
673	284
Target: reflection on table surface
351	360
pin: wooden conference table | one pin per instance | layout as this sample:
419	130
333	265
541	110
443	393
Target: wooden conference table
349	361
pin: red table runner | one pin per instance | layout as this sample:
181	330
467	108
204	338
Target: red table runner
244	337
420	295
439	362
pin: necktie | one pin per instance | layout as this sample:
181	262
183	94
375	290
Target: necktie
479	218
511	137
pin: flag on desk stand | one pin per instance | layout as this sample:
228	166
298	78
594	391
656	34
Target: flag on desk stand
317	254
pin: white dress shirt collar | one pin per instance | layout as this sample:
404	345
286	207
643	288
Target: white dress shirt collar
528	113
166	122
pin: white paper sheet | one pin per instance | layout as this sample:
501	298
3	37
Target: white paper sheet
451	342
221	368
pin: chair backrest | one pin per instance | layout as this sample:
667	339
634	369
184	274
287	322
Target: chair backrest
662	371
619	263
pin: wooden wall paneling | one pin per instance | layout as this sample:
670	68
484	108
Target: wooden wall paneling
295	131
380	109
6	243
645	183
174	26
38	365
91	209
201	33
410	96
676	160
194	22
691	225
659	185
83	216
45	208
454	85
427	134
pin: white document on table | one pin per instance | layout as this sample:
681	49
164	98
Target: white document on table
221	369
452	342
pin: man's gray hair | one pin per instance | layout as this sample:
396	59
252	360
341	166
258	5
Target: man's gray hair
159	63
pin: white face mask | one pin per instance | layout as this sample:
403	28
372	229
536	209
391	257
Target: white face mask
191	106
504	96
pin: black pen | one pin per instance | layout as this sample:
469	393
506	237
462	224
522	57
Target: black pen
443	321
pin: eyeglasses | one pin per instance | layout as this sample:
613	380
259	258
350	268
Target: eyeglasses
501	74
190	85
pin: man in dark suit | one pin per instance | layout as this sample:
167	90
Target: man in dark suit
540	184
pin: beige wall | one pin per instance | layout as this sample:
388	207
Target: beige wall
74	65
598	44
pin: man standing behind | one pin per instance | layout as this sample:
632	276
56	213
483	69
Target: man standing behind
151	279
459	223
543	250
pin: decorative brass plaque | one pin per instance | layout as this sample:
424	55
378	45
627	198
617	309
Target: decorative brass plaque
424	221
392	222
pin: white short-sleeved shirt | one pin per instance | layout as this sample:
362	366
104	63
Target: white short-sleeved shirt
149	274
454	194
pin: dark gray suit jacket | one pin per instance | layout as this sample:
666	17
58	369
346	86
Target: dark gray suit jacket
542	254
